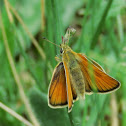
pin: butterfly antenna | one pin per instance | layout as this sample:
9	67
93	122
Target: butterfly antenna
50	41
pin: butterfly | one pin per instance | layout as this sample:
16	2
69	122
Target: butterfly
76	75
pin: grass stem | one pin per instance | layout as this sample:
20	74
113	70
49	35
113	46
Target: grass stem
100	25
16	76
14	114
35	43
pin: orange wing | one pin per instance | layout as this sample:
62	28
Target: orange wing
57	91
69	89
96	80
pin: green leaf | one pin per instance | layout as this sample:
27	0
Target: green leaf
46	115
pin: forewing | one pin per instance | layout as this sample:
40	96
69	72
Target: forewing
96	80
57	90
69	88
93	62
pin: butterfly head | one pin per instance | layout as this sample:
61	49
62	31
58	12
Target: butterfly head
64	47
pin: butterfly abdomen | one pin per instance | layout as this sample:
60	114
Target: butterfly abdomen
77	80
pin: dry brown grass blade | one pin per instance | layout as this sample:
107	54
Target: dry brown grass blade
43	14
16	77
8	12
14	114
34	41
114	110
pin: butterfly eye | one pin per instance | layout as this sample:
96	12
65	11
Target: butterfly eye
61	50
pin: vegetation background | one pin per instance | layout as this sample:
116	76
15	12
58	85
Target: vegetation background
27	61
